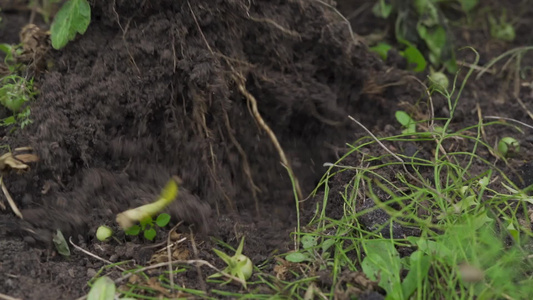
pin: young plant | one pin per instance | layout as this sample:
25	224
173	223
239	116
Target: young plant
238	265
147	226
501	29
407	122
104	288
15	92
73	17
309	252
508	146
145	212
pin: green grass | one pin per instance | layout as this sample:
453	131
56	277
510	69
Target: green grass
472	243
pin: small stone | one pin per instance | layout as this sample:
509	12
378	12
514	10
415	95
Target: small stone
91	272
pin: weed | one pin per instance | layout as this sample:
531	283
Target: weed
147	226
15	91
464	217
501	29
420	24
407	122
508	146
73	17
238	265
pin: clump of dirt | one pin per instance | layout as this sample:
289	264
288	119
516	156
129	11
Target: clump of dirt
155	89
161	88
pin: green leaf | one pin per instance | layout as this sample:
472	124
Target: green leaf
382	9
103	289
501	29
419	267
327	244
162	220
133	230
150	234
415	59
403	118
73	17
226	258
146	222
508	145
513	231
297	257
383	262
435	39
407	122
382	49
8	121
308	241
468	5
61	244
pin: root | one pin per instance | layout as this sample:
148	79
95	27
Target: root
255	112
10	199
245	164
124	37
273	23
251	99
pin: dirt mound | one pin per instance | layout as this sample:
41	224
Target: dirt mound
161	88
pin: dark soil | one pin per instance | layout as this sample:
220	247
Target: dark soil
152	90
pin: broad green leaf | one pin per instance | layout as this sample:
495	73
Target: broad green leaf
415	59
103	289
382	49
468	5
382	9
145	222
501	29
308	241
133	230
150	234
162	220
327	244
403	118
513	231
435	38
383	262
418	269
61	244
73	17
297	257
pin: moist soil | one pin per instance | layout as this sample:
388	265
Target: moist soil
156	89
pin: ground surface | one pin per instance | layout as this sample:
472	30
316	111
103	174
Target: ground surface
155	89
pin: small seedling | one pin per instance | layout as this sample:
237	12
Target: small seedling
508	146
407	122
500	29
147	226
104	289
73	17
382	49
239	265
382	9
61	244
145	212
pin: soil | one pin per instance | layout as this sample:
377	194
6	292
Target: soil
156	89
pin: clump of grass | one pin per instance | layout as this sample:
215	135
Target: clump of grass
471	218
